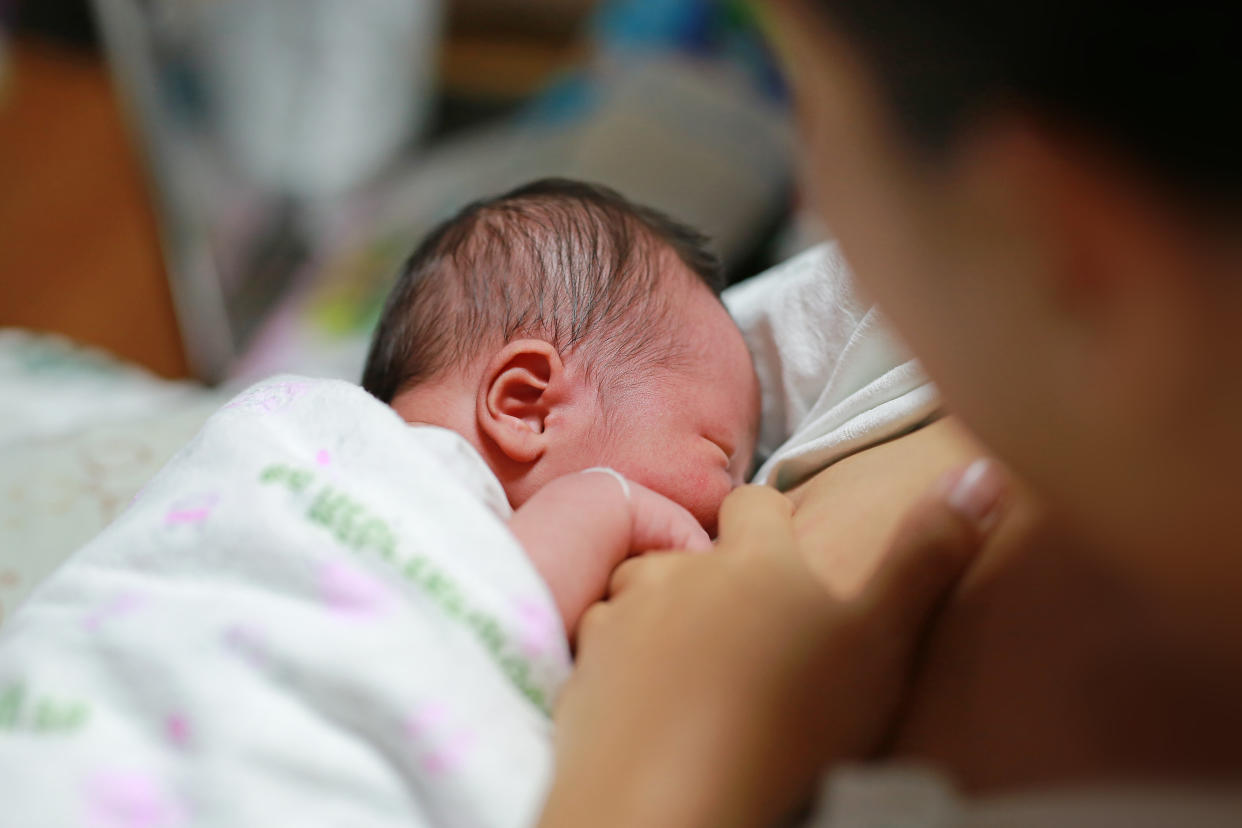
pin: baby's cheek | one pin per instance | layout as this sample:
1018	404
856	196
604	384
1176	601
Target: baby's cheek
701	490
699	487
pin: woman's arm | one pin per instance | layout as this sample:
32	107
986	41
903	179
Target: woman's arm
711	689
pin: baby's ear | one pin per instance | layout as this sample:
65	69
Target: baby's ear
517	393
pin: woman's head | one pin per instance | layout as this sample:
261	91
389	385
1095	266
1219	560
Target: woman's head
1045	197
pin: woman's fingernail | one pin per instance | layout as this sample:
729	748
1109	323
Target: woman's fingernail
975	492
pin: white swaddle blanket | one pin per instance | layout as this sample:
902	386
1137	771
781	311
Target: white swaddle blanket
315	614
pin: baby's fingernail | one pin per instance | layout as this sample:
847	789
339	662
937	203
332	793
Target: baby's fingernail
975	492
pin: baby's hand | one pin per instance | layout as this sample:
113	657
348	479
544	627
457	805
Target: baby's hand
660	523
580	527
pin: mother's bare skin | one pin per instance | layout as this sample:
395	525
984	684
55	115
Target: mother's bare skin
846	514
1039	670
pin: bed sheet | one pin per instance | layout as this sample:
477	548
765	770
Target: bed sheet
80	432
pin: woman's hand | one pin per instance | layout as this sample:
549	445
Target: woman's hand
711	689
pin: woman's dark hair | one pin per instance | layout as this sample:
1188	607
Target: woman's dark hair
1159	81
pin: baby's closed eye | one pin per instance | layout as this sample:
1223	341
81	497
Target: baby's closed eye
726	448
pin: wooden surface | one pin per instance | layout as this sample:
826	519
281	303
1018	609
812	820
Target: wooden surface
79	251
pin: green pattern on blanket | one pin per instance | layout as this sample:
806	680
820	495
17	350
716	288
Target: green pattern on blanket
355	528
24	711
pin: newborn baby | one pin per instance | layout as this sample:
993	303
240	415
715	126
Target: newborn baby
559	328
318	614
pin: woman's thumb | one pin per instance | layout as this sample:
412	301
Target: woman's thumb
934	544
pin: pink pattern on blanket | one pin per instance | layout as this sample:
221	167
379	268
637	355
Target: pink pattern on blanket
540	629
450	753
121	604
192	509
443	747
177	729
130	799
425	718
351	590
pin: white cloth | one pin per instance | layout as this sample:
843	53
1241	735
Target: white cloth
834	378
314	615
917	797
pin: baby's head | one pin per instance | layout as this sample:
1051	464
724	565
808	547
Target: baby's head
559	327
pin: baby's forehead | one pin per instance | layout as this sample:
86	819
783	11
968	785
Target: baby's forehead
714	366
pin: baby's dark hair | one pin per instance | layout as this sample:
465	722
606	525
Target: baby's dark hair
563	260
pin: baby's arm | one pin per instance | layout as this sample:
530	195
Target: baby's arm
578	528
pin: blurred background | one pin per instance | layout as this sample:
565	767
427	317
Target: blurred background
223	189
198	193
